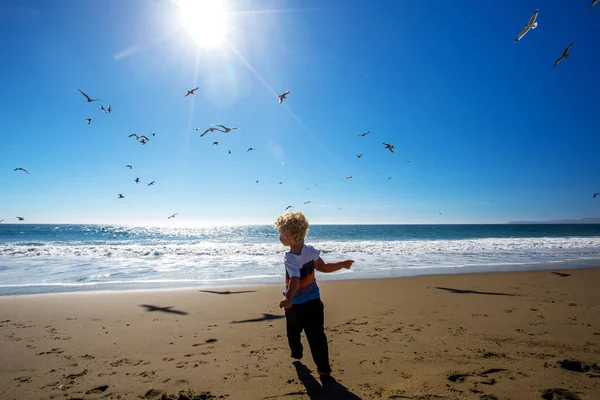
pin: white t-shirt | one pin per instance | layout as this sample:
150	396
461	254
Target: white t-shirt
302	266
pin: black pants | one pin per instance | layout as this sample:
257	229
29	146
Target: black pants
310	318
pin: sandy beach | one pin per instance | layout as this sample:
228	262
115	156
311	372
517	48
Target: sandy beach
518	335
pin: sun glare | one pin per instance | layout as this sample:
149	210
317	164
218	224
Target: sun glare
205	21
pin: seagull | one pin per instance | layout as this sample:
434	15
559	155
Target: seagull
121	196
389	146
20	218
144	137
249	148
22	169
389	177
408	161
151	183
215	143
137	180
359	155
593	3
340	209
281	183
283	96
211	129
1	220
364	134
102	108
347	177
109	109
532	24
129	166
192	91
310	187
596	194
226	129
229	151
143	141
89	99
564	55
288	207
307	202
256	182
173	216
89	120
153	133
135	136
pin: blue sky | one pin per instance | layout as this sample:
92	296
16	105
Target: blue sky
496	133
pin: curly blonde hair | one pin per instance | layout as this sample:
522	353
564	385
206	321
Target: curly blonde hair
293	226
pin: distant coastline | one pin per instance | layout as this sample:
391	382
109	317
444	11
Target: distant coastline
559	221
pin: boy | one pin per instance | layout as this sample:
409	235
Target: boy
302	301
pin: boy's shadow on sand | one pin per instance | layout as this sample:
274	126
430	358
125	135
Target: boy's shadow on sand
329	388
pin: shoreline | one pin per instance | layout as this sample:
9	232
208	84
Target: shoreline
100	287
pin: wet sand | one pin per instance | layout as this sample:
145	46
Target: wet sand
517	335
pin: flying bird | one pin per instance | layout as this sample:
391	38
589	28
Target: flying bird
192	91
153	133
288	207
21	218
249	149
389	146
283	95
359	155
229	151
310	187
134	136
593	3
564	55
347	177
151	183
211	129
109	109
22	169
340	209
1	220
121	196
408	161
596	194
102	108
89	99
143	141
173	216
256	182
144	137
137	180
129	166
89	120
364	134
389	177
307	202
532	24
281	183
226	129
215	143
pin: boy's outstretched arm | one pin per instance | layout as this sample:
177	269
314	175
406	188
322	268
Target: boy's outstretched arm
321	266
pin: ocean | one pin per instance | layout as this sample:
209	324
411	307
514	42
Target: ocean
61	258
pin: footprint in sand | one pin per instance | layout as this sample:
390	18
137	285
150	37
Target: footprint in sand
152	393
559	394
99	389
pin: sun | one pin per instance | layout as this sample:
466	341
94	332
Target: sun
205	20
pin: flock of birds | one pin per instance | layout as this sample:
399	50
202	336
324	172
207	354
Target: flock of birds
143	139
